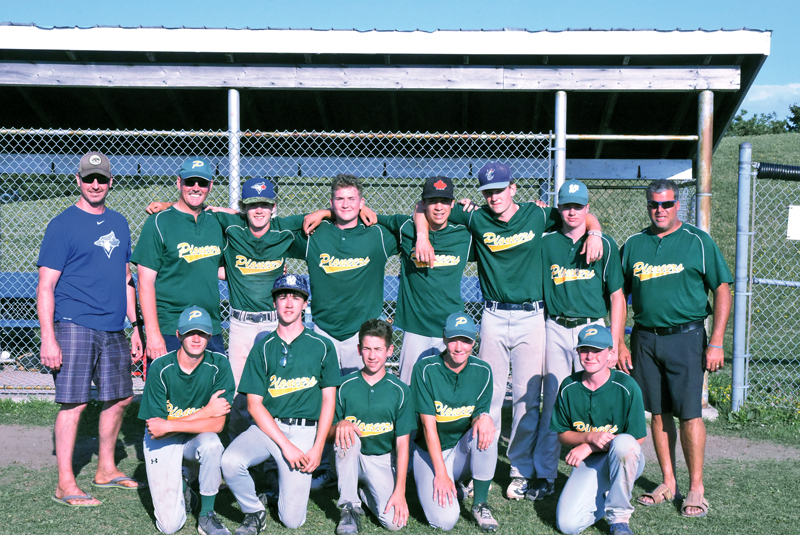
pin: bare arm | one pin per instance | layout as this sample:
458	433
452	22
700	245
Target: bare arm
715	356
424	249
323	426
147	299
444	490
132	315
593	246
296	458
398	497
209	419
624	360
618	313
50	351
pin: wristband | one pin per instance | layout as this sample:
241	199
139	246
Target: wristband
137	323
712	345
595	233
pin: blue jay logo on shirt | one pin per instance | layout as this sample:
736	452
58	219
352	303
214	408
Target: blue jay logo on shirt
109	242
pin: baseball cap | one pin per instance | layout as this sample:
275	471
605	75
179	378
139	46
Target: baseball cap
292	282
438	186
197	168
573	192
494	175
595	336
258	190
94	163
459	324
195	318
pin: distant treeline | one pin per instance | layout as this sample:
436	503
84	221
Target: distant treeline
765	123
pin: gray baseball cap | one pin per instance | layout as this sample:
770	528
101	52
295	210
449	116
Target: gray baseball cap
94	163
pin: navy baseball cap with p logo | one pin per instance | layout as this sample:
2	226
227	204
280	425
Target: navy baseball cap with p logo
258	190
494	175
197	168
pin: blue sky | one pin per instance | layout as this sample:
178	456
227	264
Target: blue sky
777	86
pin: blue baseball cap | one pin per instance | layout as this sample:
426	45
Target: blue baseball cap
460	324
573	192
290	281
494	175
258	190
595	336
195	167
195	318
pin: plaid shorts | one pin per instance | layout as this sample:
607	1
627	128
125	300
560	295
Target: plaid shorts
92	356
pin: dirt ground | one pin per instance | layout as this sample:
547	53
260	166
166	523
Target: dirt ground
33	447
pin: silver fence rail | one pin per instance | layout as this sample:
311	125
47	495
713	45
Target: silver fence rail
37	181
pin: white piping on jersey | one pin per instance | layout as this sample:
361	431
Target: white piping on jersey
487	377
702	247
155	221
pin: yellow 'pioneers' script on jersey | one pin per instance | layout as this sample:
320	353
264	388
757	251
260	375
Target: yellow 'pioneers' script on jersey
646	271
561	275
451	414
175	412
499	243
279	387
368	430
251	267
331	264
190	252
586	428
440	260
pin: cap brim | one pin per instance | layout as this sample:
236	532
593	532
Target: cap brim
253	200
195	328
471	336
196	175
439	195
572	200
101	172
593	346
279	290
495	185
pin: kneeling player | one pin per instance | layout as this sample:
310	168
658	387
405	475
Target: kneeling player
374	409
186	397
600	415
290	379
452	393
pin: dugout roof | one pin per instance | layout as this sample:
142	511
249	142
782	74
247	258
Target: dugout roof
624	82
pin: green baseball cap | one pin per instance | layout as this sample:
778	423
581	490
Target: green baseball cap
573	192
195	167
595	336
460	324
195	318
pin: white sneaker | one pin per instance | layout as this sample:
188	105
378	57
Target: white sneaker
517	488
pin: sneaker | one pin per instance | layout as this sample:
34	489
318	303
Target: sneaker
540	490
252	524
483	516
323	480
620	528
210	525
464	490
517	488
350	521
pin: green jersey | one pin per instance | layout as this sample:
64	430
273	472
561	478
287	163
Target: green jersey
452	397
509	253
616	407
670	277
573	288
427	296
382	412
187	255
291	387
252	264
171	393
345	268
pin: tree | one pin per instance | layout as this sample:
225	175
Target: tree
793	120
757	125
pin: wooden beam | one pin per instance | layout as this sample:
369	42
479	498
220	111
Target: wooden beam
478	78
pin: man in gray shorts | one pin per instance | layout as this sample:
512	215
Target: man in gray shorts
85	291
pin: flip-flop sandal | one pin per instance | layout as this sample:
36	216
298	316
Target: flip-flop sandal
116	483
695	499
661	494
65	500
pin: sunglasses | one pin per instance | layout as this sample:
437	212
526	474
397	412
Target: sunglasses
101	179
285	358
666	205
194	181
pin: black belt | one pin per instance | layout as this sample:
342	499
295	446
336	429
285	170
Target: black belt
666	331
536	306
571	323
254	317
297	421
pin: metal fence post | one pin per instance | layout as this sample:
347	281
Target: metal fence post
233	148
560	167
741	293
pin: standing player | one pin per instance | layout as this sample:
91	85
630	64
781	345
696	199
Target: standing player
669	269
186	397
508	250
85	291
290	380
452	393
600	416
576	293
179	254
374	411
427	295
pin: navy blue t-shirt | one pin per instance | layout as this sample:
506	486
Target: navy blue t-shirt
91	252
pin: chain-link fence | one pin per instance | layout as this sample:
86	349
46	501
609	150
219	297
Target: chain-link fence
37	181
772	377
